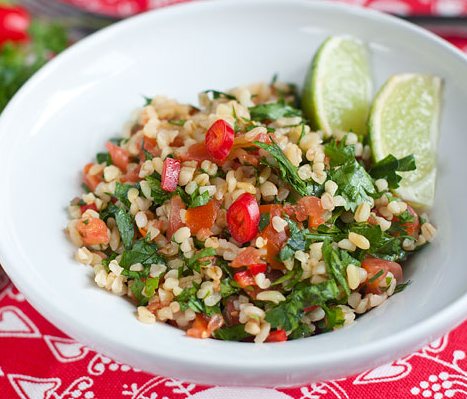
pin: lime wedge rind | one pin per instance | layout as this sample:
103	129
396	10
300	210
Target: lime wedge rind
404	119
338	86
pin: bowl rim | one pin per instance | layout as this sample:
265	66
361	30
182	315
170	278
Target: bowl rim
417	334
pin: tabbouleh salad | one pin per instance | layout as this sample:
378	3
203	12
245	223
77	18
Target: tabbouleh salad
238	221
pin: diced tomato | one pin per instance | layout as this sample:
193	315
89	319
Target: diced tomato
170	172
277	336
202	217
91	181
243	218
84	208
120	156
175	222
93	231
148	144
257	268
244	279
275	240
246	257
203	327
199	328
412	227
219	140
196	152
132	174
310	208
244	157
373	266
14	24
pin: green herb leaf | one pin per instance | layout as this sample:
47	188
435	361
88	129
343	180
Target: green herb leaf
355	184
227	289
387	168
137	289
219	94
273	111
334	318
376	276
121	193
264	220
302	331
296	242
234	333
197	199
151	285
177	122
103	157
195	262
289	172
147	101
287	314
339	153
401	287
125	227
142	252
158	195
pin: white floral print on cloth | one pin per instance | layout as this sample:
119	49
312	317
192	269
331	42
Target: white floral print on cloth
68	369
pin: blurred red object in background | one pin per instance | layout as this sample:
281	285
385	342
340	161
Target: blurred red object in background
14	24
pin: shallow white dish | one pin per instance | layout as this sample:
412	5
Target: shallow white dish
63	116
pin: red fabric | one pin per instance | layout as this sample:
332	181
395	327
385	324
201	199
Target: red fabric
37	361
404	7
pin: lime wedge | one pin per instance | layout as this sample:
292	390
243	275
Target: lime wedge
338	88
404	120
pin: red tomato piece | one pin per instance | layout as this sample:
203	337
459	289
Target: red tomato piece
199	328
246	257
84	208
93	231
375	266
277	336
257	268
244	279
132	174
310	208
91	180
175	222
275	240
202	217
170	172
247	141
219	140
243	218
412	227
120	156
148	144
244	157
196	152
14	24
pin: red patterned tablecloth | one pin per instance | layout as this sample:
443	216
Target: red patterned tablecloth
403	7
37	361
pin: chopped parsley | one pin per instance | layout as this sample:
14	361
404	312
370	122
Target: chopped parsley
288	171
387	168
142	252
273	111
234	333
287	314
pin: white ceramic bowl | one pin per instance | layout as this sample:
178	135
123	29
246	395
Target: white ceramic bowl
63	116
